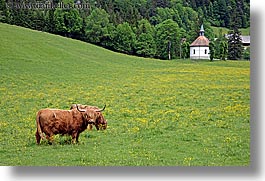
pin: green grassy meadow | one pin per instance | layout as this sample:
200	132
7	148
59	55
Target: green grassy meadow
216	30
160	113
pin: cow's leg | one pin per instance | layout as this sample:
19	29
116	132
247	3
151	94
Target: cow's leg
104	126
97	126
90	127
49	137
37	137
74	137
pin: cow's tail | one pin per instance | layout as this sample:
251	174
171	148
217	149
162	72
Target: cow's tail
39	131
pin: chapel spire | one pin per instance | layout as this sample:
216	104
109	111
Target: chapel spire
202	31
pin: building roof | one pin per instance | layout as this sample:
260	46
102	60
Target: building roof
245	39
200	41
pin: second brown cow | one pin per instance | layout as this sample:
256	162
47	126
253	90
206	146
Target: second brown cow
101	122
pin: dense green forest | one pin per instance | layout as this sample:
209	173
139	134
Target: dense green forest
139	27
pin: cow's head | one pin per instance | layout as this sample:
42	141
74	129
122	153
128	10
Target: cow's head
101	122
90	115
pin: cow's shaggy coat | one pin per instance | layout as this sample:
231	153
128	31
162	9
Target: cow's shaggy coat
70	122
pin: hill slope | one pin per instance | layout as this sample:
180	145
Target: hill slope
159	112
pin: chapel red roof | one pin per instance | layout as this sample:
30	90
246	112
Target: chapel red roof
200	41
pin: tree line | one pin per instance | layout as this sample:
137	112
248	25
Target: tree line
148	28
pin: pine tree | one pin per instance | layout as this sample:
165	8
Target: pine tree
235	48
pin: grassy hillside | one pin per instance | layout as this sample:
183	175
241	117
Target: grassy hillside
216	30
183	112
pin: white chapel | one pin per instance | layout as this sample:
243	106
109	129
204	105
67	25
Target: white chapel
199	49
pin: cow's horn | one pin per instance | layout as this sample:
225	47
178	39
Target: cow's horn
82	110
101	109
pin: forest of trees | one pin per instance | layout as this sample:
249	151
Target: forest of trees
149	28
